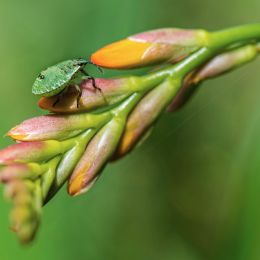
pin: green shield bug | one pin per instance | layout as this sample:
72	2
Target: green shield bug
56	79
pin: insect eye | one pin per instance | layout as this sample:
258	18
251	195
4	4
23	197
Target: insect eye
41	76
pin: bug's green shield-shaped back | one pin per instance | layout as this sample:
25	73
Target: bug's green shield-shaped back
55	78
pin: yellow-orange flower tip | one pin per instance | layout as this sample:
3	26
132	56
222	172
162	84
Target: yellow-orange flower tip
76	185
124	54
126	143
16	135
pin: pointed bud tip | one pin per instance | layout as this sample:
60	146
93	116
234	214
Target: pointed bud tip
122	54
125	145
16	134
78	187
75	185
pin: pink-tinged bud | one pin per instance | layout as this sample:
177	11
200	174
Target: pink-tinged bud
145	114
30	152
98	152
70	160
25	212
56	127
216	67
226	62
19	171
15	187
24	224
111	92
149	48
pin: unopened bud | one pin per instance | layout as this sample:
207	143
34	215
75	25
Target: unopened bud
19	171
30	152
98	152
149	48
145	114
57	127
109	92
217	66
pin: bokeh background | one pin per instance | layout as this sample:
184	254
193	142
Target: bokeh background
192	191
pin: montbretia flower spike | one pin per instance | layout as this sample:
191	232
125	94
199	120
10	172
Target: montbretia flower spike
75	142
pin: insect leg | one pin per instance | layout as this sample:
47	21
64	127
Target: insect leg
84	72
89	77
56	101
59	97
79	94
92	79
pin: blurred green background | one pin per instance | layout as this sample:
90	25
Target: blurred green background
192	190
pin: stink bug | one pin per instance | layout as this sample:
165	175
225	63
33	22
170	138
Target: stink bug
58	78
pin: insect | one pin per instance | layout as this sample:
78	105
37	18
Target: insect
56	79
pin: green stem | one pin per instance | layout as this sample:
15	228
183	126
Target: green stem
244	33
179	70
218	41
49	176
126	107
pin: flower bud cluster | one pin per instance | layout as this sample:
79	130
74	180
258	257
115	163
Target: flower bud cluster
74	144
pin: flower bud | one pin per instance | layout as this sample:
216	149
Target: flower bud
98	152
68	162
226	62
30	152
145	114
217	66
111	92
26	212
149	48
57	127
19	171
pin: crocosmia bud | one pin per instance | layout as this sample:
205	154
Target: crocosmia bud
149	48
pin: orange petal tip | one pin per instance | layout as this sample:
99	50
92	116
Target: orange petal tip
124	54
75	185
16	135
